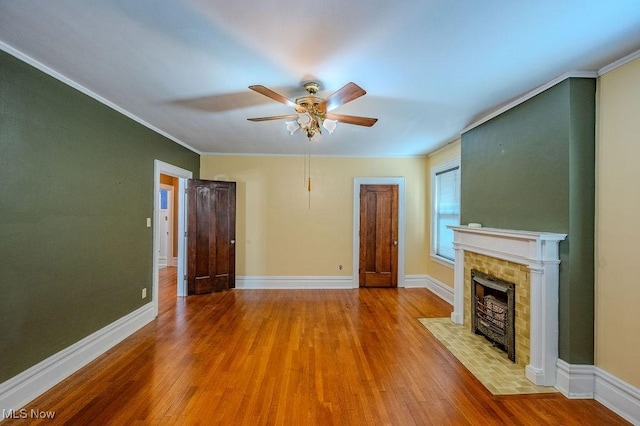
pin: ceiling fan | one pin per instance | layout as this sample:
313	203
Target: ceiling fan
313	112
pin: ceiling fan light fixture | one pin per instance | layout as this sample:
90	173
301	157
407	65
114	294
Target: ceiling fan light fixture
330	125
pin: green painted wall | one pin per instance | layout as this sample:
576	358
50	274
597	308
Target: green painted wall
76	187
578	337
533	168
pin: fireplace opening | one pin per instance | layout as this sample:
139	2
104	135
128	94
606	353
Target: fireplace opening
493	311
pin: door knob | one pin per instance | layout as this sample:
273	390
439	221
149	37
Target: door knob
233	241
395	242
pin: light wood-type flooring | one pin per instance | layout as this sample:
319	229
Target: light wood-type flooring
295	357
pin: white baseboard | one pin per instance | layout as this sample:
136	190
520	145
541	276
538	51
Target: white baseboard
575	381
588	381
440	289
293	282
415	281
28	385
336	282
618	396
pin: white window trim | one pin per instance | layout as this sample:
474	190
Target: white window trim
432	246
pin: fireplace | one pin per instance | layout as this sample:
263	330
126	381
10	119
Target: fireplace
493	311
538	254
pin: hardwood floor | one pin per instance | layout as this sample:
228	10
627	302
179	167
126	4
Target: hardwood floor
302	357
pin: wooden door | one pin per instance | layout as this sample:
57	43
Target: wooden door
212	233
378	236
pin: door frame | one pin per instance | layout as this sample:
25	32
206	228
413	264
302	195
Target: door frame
160	167
357	182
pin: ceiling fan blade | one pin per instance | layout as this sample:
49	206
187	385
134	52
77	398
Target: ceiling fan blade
274	117
275	96
352	119
347	93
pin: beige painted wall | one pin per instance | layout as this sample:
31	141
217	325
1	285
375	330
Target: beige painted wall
278	234
618	223
437	271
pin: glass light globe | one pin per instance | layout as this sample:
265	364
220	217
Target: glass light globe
330	125
292	126
304	120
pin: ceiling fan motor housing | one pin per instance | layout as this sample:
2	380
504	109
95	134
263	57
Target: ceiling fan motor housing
310	102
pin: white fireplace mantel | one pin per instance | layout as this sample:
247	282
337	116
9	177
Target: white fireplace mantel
539	252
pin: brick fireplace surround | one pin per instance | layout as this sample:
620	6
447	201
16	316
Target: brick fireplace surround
538	253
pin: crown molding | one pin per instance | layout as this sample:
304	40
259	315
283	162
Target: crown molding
531	94
444	146
577	74
248	154
69	82
620	62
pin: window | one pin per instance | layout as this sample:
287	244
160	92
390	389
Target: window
163	199
445	207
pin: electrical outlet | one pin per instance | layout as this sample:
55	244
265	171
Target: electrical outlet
340	267
144	293
148	222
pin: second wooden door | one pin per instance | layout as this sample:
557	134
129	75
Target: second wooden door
212	233
378	236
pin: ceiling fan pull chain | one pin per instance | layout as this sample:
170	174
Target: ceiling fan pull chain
304	178
309	177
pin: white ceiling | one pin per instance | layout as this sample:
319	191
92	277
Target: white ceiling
430	67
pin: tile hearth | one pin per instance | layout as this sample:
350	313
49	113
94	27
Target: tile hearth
488	364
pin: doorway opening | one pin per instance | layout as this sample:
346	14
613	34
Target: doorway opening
180	177
168	222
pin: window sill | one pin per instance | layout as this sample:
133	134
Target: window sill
442	261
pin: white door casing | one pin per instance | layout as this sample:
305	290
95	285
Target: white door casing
159	168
